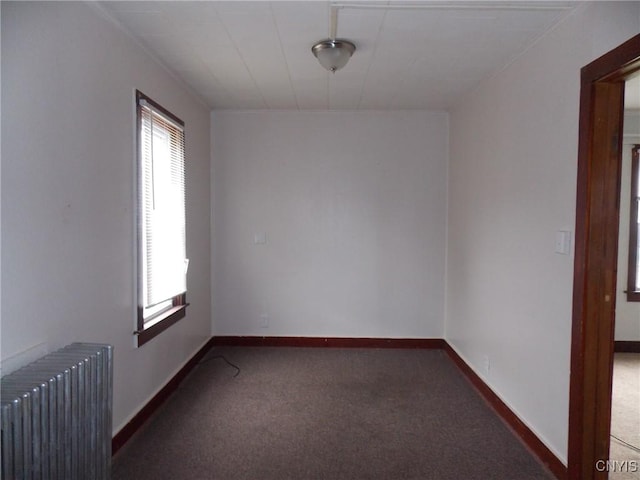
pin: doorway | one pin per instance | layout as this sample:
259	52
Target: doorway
597	213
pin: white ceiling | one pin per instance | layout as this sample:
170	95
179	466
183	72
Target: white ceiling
410	55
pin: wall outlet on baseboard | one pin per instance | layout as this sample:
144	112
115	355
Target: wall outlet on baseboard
264	320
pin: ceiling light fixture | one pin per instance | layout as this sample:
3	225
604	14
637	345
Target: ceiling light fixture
333	53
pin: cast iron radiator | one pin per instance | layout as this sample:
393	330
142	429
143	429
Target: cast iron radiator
56	416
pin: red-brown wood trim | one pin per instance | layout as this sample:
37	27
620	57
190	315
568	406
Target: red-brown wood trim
141	96
530	439
120	438
633	295
164	321
330	342
597	206
594	285
627	346
615	64
576	387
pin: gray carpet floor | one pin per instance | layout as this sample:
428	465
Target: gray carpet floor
625	414
324	413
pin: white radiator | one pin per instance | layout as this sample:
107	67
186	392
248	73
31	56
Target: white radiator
56	416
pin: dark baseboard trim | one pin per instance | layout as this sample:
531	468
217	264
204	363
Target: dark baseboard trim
626	346
539	449
152	405
330	342
530	439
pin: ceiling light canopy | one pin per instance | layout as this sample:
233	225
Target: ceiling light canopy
333	54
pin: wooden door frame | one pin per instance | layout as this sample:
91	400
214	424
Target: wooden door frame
594	290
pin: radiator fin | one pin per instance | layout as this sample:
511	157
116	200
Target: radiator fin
57	415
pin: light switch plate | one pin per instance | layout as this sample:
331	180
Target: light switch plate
563	242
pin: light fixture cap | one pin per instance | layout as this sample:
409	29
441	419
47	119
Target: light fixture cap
333	54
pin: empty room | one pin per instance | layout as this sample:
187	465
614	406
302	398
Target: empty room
320	240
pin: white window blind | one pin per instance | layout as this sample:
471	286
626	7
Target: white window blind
161	215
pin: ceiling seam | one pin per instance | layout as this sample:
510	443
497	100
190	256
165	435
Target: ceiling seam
448	5
530	45
244	62
109	16
373	54
275	22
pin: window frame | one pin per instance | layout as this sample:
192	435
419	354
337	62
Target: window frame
148	328
633	290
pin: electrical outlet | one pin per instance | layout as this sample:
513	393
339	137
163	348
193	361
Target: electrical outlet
264	320
260	238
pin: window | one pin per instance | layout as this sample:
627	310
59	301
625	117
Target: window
633	287
162	263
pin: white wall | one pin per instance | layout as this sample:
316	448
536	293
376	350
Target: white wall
68	120
353	205
627	313
513	166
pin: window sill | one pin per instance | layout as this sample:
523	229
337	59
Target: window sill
633	296
160	323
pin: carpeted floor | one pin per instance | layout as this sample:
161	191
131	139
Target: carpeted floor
307	413
625	415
